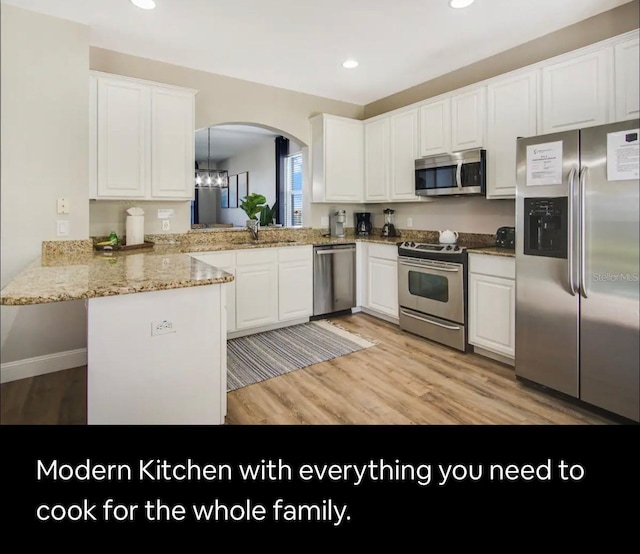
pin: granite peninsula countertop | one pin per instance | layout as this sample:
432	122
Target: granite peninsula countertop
71	270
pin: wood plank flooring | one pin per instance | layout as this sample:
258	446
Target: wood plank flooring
402	380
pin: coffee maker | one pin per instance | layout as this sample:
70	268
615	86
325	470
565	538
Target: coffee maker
389	229
336	223
363	224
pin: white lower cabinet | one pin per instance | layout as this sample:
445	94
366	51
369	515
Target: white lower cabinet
381	279
226	261
295	282
492	303
270	285
256	288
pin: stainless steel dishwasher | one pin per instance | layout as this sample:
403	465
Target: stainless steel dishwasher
334	278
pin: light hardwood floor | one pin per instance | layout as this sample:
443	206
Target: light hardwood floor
402	380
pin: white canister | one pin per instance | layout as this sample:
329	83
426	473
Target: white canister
135	226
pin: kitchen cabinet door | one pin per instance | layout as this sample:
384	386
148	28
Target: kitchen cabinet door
492	311
382	286
577	92
226	261
376	160
404	151
172	144
627	60
337	159
512	112
256	295
123	139
467	119
295	282
435	128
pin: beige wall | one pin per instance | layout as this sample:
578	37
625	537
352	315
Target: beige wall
223	99
44	119
465	215
600	27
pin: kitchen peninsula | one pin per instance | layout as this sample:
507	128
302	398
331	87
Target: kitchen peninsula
156	330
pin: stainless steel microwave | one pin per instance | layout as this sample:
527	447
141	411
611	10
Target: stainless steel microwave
452	174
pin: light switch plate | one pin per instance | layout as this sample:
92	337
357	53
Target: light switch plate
166	213
324	221
62	228
409	222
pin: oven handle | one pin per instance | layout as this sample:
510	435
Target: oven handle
429	266
450	327
459	174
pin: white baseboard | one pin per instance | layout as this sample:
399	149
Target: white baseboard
494	356
380	315
40	365
244	332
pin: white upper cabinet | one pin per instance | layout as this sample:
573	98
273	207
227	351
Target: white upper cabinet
141	139
511	114
404	151
577	92
376	160
435	128
467	119
172	143
627	63
337	159
122	138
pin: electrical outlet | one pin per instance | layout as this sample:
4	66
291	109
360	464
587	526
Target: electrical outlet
324	221
63	205
163	327
166	225
409	222
62	228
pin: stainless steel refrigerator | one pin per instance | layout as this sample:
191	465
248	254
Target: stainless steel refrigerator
577	265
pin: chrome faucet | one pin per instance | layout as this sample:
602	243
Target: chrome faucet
253	225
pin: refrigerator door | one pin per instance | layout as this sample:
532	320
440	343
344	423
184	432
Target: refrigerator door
547	303
609	326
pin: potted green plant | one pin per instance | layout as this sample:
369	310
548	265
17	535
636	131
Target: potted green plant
252	205
268	214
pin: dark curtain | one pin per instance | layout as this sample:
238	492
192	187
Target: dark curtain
282	151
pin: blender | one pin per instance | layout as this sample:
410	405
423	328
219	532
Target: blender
389	229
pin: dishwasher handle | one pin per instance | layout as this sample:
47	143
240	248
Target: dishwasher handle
334	251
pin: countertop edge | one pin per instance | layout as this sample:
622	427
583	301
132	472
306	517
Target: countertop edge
493	251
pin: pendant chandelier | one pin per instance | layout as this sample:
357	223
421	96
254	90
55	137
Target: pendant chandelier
212	177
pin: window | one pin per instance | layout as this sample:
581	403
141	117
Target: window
293	190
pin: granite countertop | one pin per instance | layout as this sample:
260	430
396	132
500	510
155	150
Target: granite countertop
79	277
71	270
494	251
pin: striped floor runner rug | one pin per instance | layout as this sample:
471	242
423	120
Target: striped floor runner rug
265	355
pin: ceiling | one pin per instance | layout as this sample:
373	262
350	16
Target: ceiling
301	44
230	140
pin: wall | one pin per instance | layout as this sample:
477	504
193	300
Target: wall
260	162
45	133
594	29
224	100
465	215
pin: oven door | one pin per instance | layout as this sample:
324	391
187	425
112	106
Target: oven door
432	287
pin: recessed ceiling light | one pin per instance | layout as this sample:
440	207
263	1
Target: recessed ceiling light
144	4
350	64
461	3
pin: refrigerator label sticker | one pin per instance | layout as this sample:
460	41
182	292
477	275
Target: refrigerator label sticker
544	164
623	155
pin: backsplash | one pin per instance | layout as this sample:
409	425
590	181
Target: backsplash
111	215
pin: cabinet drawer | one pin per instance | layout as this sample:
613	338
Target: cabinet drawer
253	256
217	259
498	266
384	251
295	254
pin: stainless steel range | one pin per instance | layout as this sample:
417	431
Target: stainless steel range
432	291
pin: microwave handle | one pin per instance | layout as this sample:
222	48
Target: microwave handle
459	174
